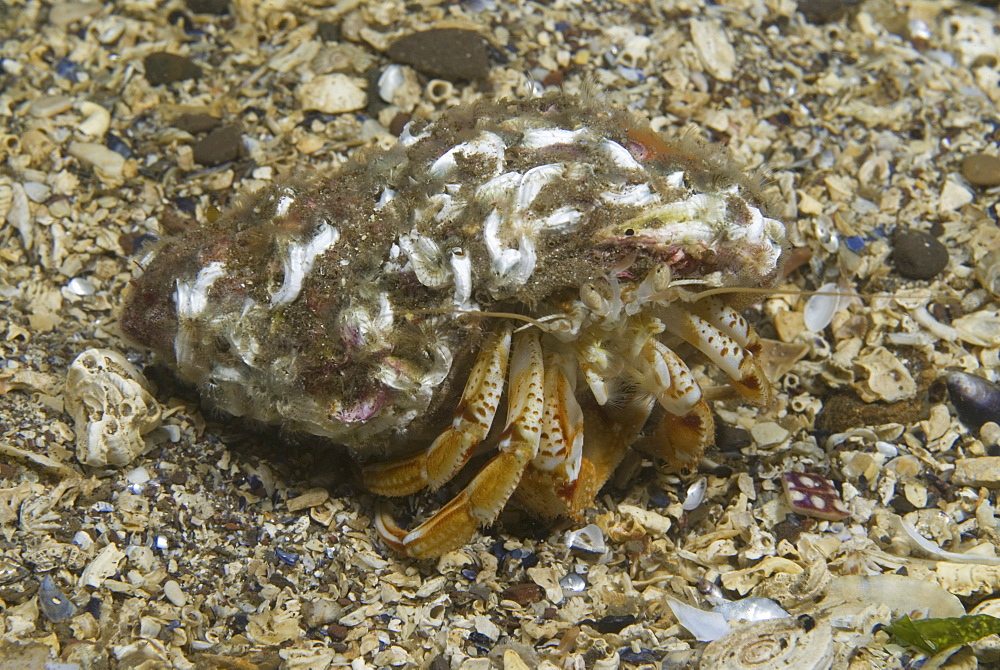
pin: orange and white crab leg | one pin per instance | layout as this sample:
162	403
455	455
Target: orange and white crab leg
687	428
453	448
739	364
549	482
729	321
481	501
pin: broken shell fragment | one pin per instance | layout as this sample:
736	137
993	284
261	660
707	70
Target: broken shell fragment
814	496
112	407
589	539
55	605
775	644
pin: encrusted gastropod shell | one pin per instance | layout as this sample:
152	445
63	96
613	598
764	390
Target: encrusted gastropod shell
775	644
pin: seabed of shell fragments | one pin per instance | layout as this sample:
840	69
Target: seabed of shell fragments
224	546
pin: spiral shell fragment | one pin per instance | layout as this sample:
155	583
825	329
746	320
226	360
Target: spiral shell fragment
535	259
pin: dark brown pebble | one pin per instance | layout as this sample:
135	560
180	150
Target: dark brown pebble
337	631
822	11
918	255
196	123
449	53
843	411
216	7
523	594
398	123
329	31
731	438
165	68
981	169
219	146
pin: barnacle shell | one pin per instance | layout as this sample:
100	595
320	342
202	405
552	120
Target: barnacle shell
112	407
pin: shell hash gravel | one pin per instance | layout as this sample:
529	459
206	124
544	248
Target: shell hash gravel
869	117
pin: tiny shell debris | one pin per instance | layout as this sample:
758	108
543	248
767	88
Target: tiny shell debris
814	496
230	546
112	407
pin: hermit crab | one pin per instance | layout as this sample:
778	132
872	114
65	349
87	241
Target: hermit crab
535	260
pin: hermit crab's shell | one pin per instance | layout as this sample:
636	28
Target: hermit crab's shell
348	305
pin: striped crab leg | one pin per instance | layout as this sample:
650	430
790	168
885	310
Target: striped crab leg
453	448
710	334
481	501
687	427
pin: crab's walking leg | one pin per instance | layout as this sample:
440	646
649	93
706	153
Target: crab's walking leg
481	501
735	360
729	321
453	448
549	483
687	428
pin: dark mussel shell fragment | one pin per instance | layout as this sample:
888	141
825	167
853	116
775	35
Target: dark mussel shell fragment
976	400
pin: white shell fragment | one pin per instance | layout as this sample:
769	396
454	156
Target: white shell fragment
849	595
112	407
714	49
777	644
332	94
705	626
590	539
821	307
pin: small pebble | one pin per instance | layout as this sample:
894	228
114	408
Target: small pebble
166	68
63	14
196	123
215	7
523	594
822	11
767	433
983	471
219	146
172	590
918	255
448	53
614	623
311	498
107	164
981	169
